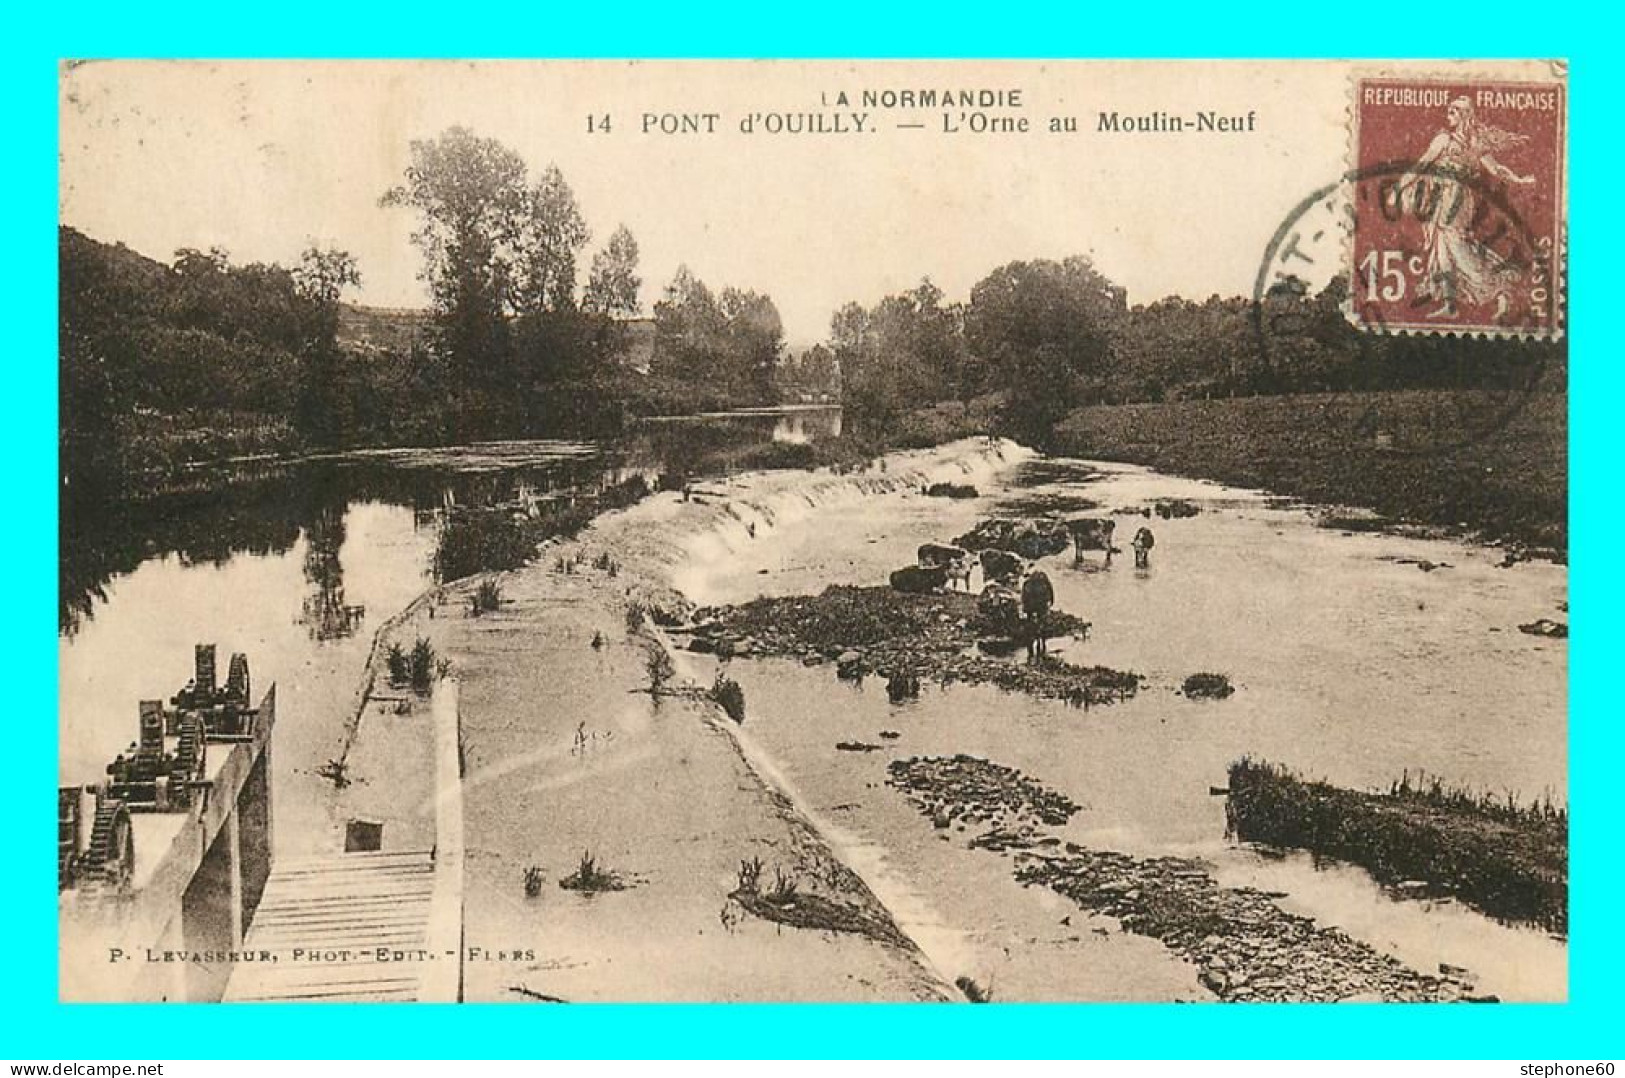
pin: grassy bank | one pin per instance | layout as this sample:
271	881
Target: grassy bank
1508	860
1510	485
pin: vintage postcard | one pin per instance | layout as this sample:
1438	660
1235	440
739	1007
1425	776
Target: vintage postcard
962	531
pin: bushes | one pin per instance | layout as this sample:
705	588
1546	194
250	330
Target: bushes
1509	861
727	694
487	597
422	666
591	878
478	541
416	668
659	668
493	539
1510	483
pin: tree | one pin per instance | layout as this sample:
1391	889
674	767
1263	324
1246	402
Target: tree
552	233
752	344
475	208
323	275
906	353
1041	331
612	285
688	327
321	278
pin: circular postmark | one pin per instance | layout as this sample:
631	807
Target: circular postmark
1395	305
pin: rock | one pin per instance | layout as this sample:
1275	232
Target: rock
1545	627
1363	997
849	664
950	490
704	645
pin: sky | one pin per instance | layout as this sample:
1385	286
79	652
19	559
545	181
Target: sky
265	157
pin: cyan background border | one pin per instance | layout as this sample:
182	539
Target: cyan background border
33	1025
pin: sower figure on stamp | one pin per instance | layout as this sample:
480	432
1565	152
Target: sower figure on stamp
1460	265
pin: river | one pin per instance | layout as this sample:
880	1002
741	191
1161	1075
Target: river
1352	663
297	568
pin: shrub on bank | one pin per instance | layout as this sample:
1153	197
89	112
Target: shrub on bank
727	694
1509	861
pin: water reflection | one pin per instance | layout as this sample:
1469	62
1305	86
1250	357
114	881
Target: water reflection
326	615
267	513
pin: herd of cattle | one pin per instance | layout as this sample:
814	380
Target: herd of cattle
1003	572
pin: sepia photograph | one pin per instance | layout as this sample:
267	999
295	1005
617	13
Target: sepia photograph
603	531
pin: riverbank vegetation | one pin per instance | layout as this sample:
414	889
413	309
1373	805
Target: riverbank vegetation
1281	393
166	366
1505	858
494	538
1509	485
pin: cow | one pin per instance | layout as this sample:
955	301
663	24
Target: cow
955	561
1002	566
1143	542
1091	533
918	579
1037	597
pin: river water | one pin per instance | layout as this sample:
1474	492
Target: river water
297	568
1351	663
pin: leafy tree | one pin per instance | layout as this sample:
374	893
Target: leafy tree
321	278
726	347
612	285
907	353
552	234
688	327
1041	330
753	342
475	208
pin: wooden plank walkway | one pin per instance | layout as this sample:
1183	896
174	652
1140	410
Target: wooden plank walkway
325	919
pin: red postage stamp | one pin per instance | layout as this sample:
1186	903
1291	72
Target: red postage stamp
1459	206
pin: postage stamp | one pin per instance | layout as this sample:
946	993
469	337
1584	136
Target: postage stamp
1458	225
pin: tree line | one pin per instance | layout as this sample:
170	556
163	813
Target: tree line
200	358
197	359
1038	339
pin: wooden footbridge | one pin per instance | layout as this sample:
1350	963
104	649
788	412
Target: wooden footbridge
344	927
381	926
